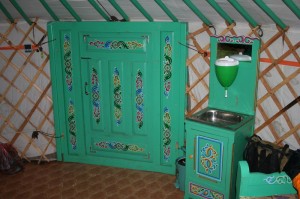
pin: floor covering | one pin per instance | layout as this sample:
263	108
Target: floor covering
57	180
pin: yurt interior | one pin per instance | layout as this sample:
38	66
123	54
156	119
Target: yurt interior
89	109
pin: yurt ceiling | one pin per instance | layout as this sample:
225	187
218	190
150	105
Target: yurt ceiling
26	98
261	12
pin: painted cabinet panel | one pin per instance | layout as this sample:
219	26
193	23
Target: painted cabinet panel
212	158
118	92
209	157
208	164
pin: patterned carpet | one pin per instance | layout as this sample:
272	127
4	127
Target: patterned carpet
56	180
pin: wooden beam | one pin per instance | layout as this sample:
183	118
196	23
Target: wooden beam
20	10
70	9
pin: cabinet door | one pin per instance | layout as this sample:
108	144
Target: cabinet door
206	164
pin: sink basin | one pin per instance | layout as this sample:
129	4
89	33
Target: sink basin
220	118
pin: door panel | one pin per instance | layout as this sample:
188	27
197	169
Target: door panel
139	98
119	42
120	96
94	89
116	97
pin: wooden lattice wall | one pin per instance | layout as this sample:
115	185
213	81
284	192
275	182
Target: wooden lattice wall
26	103
277	113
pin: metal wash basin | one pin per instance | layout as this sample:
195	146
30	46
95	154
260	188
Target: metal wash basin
220	118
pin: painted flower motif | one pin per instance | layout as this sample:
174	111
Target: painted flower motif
119	146
167	39
102	145
167	68
96	104
73	142
95	80
118	97
68	68
107	44
95	96
118	113
209	158
66	44
167	152
133	148
167	118
167	133
96	112
134	44
139	116
139	82
72	125
111	145
194	189
167	86
71	109
139	99
168	50
116	80
68	81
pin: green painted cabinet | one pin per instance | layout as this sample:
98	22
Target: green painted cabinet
212	157
118	92
215	141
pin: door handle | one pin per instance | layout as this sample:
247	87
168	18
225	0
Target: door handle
85	90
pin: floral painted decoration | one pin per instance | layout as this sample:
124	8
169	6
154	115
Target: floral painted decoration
119	146
284	179
117	96
95	95
113	45
236	39
208	156
167	67
139	99
72	124
68	61
204	192
166	134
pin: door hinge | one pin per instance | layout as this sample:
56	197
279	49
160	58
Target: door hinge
147	156
91	150
146	37
84	37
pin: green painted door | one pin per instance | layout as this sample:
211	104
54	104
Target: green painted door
118	93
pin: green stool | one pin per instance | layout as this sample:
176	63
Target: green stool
258	184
